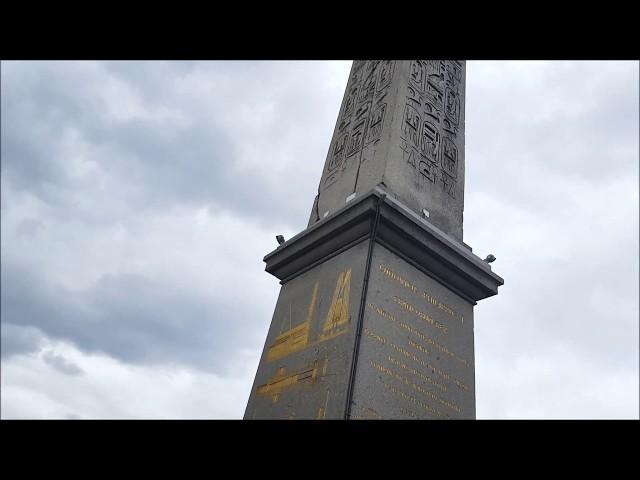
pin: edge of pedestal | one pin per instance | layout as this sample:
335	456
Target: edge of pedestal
400	230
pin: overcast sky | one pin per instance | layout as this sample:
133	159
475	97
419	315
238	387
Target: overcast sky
139	198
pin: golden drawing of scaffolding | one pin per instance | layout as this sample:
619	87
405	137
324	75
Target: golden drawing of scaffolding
295	338
336	322
337	319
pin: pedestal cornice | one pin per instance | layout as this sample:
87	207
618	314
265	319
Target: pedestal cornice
400	230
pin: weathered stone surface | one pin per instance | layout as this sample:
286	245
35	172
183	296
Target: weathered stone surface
401	124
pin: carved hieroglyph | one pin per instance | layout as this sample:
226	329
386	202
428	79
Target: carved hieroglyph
401	124
362	116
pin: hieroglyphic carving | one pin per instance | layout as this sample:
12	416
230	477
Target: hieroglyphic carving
449	157
434	87
430	140
356	139
453	106
362	119
417	74
356	73
431	121
350	102
368	89
409	154
376	123
338	151
432	113
428	171
448	185
449	127
454	73
385	75
413	96
411	124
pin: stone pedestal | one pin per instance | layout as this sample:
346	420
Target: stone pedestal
374	319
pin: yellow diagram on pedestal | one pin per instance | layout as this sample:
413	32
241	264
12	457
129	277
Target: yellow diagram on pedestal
336	322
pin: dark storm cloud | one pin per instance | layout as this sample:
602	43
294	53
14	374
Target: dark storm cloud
17	340
131	318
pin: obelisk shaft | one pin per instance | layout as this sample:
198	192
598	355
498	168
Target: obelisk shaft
401	124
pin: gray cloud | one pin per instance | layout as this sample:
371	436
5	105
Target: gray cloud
62	364
552	168
138	199
18	340
150	138
129	317
567	122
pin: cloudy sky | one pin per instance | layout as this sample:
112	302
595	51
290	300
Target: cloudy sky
138	199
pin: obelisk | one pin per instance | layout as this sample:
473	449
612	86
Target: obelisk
375	314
